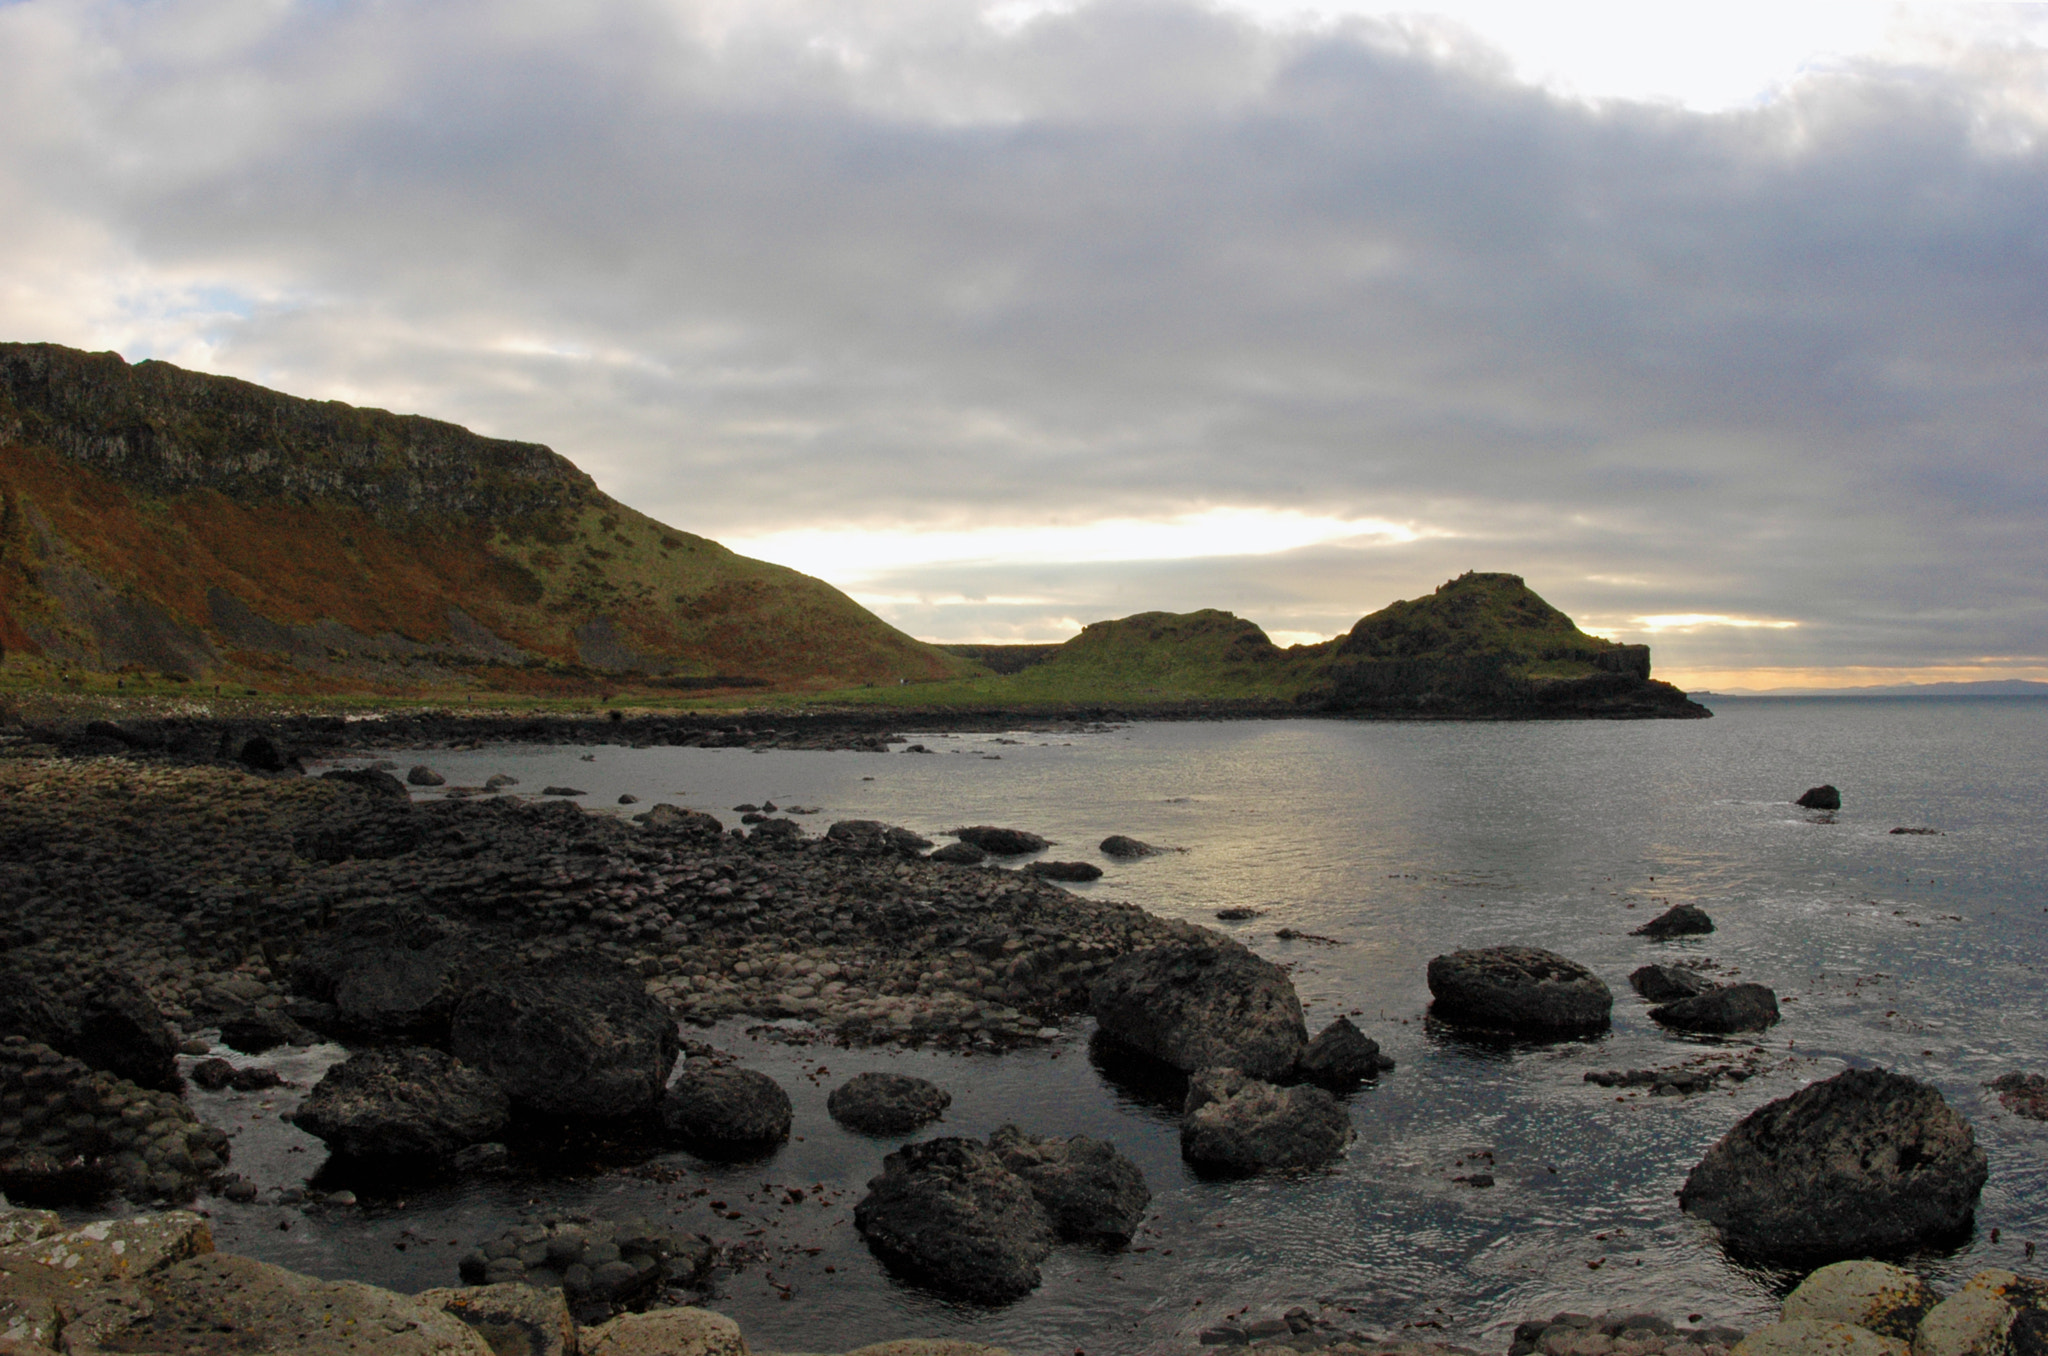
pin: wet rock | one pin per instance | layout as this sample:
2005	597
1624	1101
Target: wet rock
667	1332
1996	1313
562	791
1126	849
1341	1056
1864	1163
526	1319
1520	990
422	775
1092	1193
217	1074
577	1036
80	1133
1683	920
1886	1299
779	828
261	753
1076	871
886	1103
2023	1094
727	1110
1201	1004
872	835
1668	983
959	854
948	1213
1238	913
498	781
1738	1007
999	842
403	1102
111	1024
260	1030
1820	798
1811	1337
1237	1124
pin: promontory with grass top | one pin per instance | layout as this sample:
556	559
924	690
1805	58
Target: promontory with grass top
161	528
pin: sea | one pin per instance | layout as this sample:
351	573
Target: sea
1366	849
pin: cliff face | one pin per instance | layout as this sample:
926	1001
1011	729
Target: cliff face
160	521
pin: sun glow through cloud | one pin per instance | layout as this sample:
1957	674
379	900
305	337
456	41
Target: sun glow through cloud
854	554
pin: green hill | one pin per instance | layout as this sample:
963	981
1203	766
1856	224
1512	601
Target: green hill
167	524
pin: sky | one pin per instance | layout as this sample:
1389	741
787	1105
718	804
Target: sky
1724	326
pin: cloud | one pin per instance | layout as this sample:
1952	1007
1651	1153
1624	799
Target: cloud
788	272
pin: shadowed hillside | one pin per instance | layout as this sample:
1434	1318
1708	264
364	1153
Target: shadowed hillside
157	521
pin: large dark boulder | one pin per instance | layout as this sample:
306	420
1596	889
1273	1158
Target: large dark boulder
1126	848
886	1103
727	1111
1863	1164
1238	1125
674	819
1682	920
1666	983
371	781
110	1024
1341	1056
577	1037
948	1213
257	1030
406	1102
1521	990
391	973
1064	870
1001	842
1738	1007
1197	1005
1820	798
1093	1193
959	854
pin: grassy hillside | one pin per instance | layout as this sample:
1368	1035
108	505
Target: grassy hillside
171	526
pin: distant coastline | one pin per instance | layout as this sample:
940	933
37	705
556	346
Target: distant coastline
2004	687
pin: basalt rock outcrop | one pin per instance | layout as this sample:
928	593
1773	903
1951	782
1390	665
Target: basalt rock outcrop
1236	1124
1518	990
404	1103
949	1213
1199	1005
574	1037
1093	1193
1865	1163
887	1103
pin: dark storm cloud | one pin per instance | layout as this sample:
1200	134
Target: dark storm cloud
904	268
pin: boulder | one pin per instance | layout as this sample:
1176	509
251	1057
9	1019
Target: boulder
886	1103
948	1213
1064	870
1820	798
1886	1299
1237	1124
391	973
959	854
1341	1056
259	1030
1522	990
1864	1163
778	828
578	1036
666	1332
1738	1007
373	781
1995	1314
111	1024
403	1102
562	791
1092	1193
422	775
727	1110
1667	983
1127	849
676	819
530	1320
1201	1004
268	1309
2023	1094
261	753
1812	1337
1683	920
872	835
1001	842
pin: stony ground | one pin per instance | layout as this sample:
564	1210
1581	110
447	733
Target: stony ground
203	881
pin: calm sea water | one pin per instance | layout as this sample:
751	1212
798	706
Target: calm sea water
1920	953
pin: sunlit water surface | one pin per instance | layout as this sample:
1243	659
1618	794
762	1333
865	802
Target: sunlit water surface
1396	842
